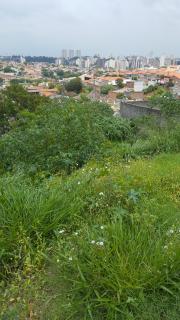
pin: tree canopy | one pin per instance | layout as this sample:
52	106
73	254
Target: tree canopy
167	103
13	100
74	85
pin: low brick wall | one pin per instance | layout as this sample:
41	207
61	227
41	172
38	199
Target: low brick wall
138	109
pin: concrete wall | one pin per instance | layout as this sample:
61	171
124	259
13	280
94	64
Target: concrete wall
137	109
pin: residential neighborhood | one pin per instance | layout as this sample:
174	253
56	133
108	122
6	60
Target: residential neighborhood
99	76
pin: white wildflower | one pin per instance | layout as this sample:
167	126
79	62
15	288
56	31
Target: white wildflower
93	242
171	231
57	260
61	231
79	182
102	227
165	247
76	233
101	194
101	243
70	258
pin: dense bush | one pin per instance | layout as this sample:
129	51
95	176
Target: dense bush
60	138
103	242
74	85
13	100
106	88
116	128
167	103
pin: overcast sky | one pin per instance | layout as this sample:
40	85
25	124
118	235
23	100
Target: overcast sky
120	27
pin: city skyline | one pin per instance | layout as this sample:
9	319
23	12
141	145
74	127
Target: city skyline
98	26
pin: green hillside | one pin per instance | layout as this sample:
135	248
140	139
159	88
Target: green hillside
89	215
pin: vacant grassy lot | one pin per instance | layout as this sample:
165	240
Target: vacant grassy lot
102	243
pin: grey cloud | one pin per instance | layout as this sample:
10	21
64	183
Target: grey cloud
105	26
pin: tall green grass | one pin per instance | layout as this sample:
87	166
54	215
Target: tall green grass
107	235
126	253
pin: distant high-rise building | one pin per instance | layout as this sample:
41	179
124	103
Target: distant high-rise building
78	53
110	63
177	61
58	61
88	62
154	62
79	62
166	61
22	59
122	64
162	61
64	54
71	54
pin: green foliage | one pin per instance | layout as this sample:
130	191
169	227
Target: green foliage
13	100
116	128
22	99
170	84
61	137
151	89
120	83
160	91
29	217
134	78
51	85
167	103
120	96
74	85
46	73
106	88
87	89
60	74
60	88
21	81
1	82
8	69
103	242
126	251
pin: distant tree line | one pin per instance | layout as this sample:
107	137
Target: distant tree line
58	74
40	59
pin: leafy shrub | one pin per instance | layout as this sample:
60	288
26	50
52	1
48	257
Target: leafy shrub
119	83
167	103
106	88
120	95
151	88
61	137
116	128
74	85
13	100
